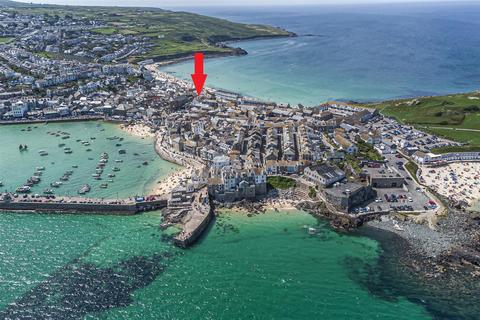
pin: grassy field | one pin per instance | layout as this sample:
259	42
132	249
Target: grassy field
173	33
441	115
5	39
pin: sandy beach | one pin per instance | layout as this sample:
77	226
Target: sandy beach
172	181
139	130
457	181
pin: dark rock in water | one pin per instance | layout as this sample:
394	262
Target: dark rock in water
79	288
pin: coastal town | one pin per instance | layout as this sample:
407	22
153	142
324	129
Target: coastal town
335	159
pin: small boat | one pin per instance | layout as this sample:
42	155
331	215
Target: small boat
61	145
65	137
75	166
23	189
68	151
69	172
40	168
122	151
84	189
116	169
145	163
1	184
65	178
110	180
312	230
104	185
95	175
56	184
48	191
118	145
119	161
98	178
111	175
93	138
88	150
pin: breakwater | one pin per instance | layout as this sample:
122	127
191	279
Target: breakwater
82	205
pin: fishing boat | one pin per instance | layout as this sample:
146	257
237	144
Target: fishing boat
68	151
116	169
119	161
48	191
34	179
99	171
65	137
122	151
56	184
104	185
22	147
23	189
65	178
111	175
95	175
84	189
40	168
98	178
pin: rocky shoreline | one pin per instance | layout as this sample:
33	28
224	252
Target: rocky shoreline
453	247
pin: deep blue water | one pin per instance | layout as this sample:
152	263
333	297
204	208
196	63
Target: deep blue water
352	52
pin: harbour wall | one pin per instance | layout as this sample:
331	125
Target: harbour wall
97	208
193	236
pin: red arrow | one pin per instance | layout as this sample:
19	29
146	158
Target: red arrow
199	77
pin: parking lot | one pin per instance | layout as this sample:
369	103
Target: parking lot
411	197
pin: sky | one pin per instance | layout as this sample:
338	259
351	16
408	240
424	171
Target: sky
197	3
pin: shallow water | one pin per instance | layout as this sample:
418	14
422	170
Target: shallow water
134	178
264	267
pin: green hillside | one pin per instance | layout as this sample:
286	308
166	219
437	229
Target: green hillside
174	34
455	116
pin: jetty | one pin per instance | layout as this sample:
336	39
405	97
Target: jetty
193	211
49	204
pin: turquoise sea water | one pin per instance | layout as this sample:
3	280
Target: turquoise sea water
358	53
134	178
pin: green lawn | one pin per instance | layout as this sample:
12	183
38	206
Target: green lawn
437	114
282	183
412	168
5	39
